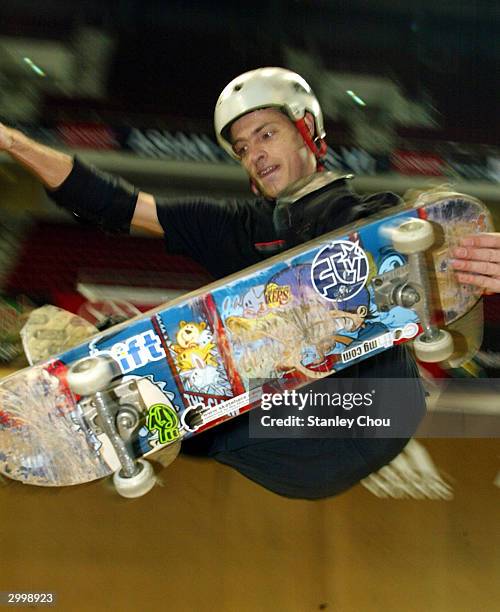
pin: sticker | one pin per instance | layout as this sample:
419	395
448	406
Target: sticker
134	352
277	295
379	342
340	270
164	420
230	407
366	347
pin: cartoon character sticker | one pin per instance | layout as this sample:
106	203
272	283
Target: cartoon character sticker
197	360
296	330
193	346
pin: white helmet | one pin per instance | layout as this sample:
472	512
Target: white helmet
267	88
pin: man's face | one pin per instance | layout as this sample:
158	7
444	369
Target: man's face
271	150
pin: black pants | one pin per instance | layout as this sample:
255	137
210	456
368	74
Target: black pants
317	468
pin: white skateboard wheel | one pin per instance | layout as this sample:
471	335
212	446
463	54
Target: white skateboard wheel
413	236
435	350
138	485
90	375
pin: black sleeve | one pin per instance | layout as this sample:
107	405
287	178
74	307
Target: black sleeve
195	226
97	197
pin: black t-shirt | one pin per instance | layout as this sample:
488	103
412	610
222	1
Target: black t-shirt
226	236
223	236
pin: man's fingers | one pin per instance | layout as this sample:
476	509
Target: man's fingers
479	267
485	282
477	254
489	240
478	261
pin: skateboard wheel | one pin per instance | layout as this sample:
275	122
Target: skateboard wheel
91	374
413	236
138	485
435	350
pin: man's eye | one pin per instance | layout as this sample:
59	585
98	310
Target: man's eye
267	134
241	151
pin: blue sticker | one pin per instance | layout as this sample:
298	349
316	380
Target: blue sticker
340	270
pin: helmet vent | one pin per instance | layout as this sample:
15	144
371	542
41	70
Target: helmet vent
238	87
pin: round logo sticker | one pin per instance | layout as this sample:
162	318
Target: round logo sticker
340	270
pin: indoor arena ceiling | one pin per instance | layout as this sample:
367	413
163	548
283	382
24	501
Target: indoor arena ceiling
176	55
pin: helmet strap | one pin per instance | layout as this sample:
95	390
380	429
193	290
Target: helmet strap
318	151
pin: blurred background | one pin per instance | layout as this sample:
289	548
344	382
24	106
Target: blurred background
410	95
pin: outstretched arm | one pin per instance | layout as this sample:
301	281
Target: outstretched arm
477	261
52	168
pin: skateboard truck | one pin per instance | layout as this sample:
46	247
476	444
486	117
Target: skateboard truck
91	376
409	286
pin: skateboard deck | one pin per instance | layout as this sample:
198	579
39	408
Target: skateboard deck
304	314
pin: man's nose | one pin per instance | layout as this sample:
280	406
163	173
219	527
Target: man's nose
257	152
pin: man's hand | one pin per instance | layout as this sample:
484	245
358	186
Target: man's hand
50	166
477	261
6	137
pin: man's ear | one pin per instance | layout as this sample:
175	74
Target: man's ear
309	119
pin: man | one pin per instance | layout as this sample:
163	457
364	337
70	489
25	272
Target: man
271	122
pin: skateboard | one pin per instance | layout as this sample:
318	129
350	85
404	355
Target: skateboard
126	393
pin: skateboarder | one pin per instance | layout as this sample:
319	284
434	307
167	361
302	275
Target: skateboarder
271	122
